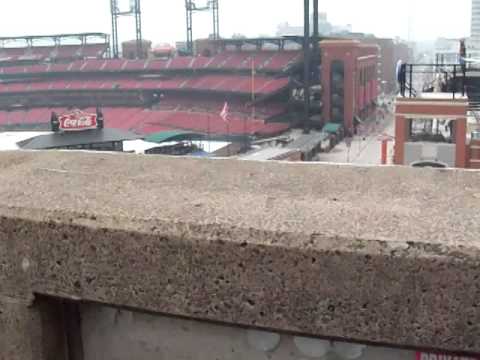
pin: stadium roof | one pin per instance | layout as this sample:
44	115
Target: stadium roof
280	41
173	135
65	139
31	38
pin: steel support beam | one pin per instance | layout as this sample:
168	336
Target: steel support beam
135	11
190	8
114	11
138	29
189	13
306	62
316	48
216	20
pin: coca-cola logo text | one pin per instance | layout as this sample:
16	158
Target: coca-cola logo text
78	121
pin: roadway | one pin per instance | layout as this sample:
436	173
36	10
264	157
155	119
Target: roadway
365	149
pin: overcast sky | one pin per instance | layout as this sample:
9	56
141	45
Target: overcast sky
164	20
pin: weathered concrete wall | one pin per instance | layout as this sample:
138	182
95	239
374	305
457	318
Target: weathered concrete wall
30	331
385	255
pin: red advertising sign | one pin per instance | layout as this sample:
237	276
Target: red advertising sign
77	121
437	356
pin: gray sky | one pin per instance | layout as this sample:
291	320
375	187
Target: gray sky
164	20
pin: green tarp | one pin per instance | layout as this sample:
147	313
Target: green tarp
331	128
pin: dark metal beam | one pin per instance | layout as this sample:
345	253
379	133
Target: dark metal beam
189	6
138	29
38	37
316	49
306	62
216	20
114	44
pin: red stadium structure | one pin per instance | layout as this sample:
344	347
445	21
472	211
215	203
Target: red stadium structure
52	48
147	96
260	79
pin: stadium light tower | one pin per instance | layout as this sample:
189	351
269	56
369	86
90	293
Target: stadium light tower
306	65
311	55
191	8
134	10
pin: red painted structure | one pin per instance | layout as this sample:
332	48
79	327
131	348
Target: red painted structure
434	106
182	92
145	121
360	83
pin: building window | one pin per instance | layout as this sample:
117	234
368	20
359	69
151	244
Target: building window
431	130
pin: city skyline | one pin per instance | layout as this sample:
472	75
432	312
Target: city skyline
167	23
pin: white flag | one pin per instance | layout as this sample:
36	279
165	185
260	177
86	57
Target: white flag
225	113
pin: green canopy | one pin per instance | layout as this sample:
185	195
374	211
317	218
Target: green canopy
166	136
331	128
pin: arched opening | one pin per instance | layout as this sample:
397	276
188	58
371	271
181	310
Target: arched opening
337	92
431	164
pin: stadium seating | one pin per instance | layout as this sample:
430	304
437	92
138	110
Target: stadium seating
181	62
134	65
218	83
200	62
57	68
11	70
146	121
37	69
259	59
94	65
213	123
157	65
66	52
94	50
236	60
114	65
191	90
271	61
281	60
218	60
61	52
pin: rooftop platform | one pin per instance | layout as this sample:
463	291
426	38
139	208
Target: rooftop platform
435	96
433	105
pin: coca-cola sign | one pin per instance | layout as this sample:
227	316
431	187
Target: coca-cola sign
77	121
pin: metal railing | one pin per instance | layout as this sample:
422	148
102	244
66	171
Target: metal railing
446	78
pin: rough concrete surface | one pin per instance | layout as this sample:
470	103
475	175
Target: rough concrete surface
386	255
27	332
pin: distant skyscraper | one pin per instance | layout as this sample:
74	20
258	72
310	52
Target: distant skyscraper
475	32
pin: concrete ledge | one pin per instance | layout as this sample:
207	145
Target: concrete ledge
383	255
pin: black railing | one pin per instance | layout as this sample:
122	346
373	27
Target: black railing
446	78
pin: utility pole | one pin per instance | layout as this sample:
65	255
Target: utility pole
306	68
114	11
316	45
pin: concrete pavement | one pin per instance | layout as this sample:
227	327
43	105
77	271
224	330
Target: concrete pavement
365	150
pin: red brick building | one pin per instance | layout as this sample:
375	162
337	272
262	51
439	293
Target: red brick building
349	80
